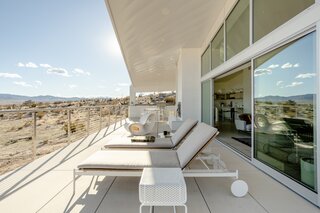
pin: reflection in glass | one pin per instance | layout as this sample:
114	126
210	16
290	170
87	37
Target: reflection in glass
205	102
268	15
205	62
237	29
217	49
285	107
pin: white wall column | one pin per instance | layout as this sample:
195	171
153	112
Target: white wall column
132	95
188	85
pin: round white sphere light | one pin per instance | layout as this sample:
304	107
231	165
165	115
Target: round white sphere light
239	188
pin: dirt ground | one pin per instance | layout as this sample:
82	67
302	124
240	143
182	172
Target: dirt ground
16	130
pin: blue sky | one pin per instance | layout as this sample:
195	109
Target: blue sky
292	71
62	48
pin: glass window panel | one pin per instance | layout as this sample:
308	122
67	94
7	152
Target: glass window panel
237	29
268	15
217	49
205	99
285	110
205	62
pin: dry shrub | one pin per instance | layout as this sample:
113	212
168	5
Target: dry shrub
74	127
170	99
40	114
27	124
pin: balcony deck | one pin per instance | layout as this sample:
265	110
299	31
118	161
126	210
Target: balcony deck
45	185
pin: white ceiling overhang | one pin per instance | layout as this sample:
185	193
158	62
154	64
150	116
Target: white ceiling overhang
152	32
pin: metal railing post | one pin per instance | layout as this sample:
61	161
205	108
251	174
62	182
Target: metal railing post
88	122
120	112
34	136
109	116
115	117
100	122
69	126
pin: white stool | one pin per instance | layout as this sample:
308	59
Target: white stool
162	187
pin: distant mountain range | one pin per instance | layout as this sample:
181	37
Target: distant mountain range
15	99
307	98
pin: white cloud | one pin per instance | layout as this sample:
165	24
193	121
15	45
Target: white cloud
279	83
72	86
9	75
20	64
22	83
102	87
31	65
45	65
306	75
286	66
272	66
289	65
59	71
123	84
38	82
264	71
80	72
294	84
118	89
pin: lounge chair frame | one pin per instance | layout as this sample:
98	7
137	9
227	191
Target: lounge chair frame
219	169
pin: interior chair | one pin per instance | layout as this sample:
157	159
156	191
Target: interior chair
144	126
243	123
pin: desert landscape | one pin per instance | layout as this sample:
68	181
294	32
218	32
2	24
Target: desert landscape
17	127
52	129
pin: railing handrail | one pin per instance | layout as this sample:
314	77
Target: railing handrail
116	110
58	108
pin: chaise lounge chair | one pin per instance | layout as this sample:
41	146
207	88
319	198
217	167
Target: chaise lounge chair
131	163
159	143
144	126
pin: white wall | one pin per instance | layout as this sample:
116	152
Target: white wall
247	91
136	111
189	86
179	81
132	95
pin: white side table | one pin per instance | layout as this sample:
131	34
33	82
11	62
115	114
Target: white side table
162	187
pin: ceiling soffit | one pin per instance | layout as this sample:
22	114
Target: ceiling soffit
152	32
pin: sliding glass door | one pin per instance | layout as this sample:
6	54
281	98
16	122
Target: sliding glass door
285	110
232	109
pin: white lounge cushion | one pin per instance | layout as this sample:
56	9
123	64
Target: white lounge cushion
120	159
183	130
137	160
125	142
194	142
